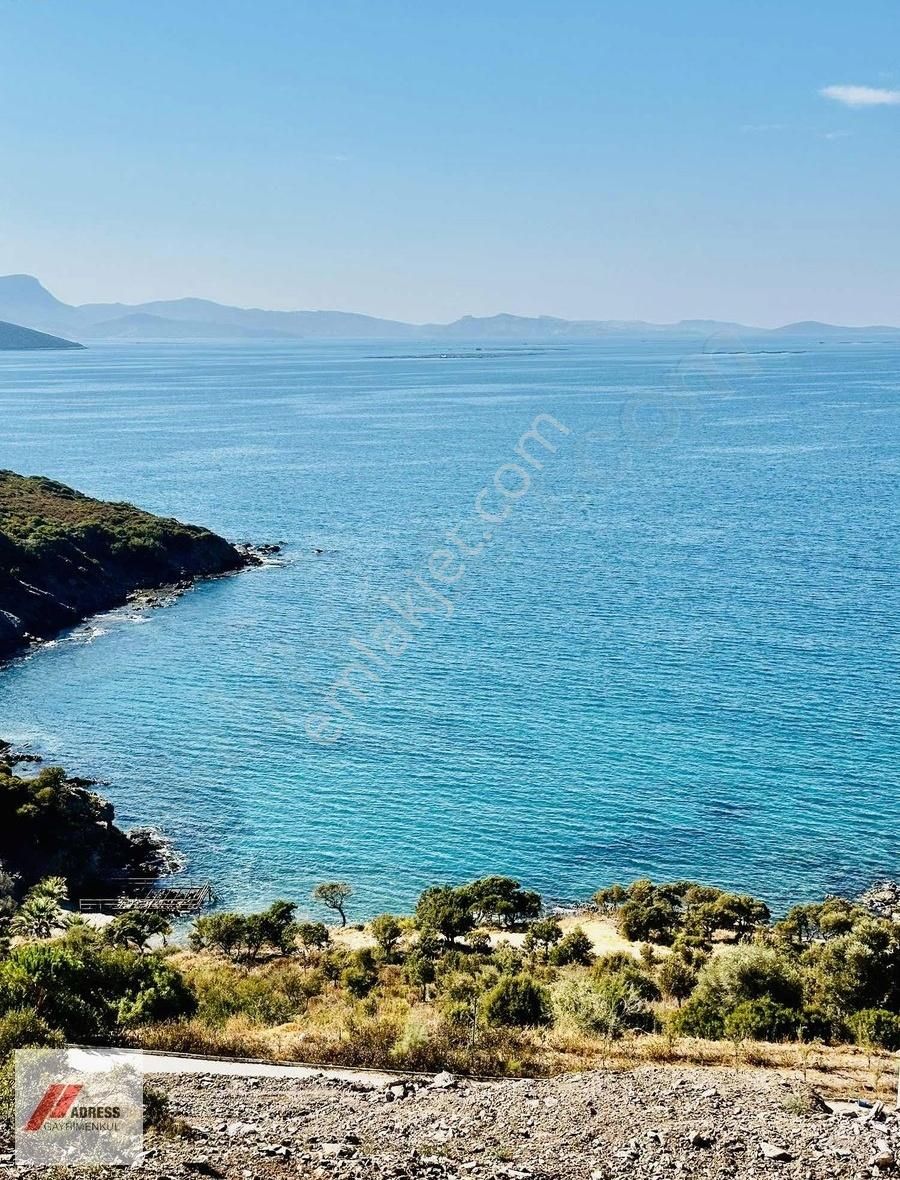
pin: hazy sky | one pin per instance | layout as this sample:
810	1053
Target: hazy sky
430	158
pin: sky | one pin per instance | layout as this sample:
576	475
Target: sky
427	159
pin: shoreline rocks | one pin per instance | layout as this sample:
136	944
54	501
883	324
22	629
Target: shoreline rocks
882	899
65	557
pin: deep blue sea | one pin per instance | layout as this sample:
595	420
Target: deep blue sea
677	655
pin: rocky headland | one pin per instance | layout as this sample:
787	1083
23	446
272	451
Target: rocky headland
65	557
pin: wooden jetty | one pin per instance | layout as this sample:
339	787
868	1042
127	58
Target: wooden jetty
147	895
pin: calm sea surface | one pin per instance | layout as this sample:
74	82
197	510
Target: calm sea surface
677	656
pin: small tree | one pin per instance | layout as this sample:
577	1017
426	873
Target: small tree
334	894
542	935
445	910
313	935
419	970
223	932
360	976
135	928
387	932
610	898
278	926
677	978
501	901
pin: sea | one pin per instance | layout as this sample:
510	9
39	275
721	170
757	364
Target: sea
577	612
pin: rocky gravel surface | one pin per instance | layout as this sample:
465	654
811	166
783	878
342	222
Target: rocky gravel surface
651	1122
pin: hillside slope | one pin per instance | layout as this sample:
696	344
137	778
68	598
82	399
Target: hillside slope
15	338
651	1121
64	556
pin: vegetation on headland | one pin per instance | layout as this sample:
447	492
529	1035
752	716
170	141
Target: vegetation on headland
65	556
477	980
53	825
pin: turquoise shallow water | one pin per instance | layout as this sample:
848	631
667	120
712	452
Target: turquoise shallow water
678	656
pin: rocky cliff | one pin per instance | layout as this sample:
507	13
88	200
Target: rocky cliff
64	556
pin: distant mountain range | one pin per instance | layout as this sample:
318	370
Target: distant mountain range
25	301
14	337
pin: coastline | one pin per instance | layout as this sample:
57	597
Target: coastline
150	595
65	557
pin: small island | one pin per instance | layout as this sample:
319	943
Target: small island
65	556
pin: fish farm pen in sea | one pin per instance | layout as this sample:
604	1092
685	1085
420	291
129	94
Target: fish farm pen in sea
145	894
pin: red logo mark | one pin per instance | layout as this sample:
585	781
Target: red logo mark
55	1104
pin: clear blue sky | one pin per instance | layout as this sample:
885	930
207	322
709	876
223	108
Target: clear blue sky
426	159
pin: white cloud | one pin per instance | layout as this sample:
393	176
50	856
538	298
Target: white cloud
862	96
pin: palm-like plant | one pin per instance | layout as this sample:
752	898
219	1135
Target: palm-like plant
56	888
38	917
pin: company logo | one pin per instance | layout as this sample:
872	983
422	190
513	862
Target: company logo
58	1100
76	1106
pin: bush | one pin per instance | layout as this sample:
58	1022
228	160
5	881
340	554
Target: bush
518	1001
761	1020
876	1028
732	977
273	994
855	970
313	935
605	1009
621	966
360	976
573	948
22	1027
677	977
90	992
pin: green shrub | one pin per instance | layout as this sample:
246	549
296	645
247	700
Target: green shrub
517	1000
677	977
21	1028
623	967
735	975
360	976
90	992
876	1028
573	948
272	994
761	1020
608	1008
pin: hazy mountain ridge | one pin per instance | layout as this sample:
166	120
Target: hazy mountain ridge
23	300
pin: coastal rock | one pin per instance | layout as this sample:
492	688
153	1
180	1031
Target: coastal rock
882	899
84	556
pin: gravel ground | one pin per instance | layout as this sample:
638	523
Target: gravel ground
651	1122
